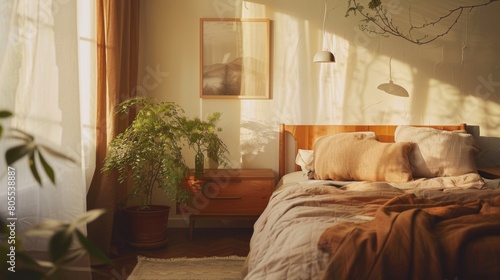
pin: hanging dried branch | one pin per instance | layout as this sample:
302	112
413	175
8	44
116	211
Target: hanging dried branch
376	21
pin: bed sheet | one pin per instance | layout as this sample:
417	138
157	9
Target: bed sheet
285	240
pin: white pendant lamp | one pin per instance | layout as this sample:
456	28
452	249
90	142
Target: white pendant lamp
324	56
391	87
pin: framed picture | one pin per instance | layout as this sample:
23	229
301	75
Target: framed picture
235	55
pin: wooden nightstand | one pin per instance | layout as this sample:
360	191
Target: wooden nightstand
227	194
489	172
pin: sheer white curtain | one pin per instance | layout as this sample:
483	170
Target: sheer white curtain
47	61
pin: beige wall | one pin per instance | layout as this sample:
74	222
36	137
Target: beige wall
452	80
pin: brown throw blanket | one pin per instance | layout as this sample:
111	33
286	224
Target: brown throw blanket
416	238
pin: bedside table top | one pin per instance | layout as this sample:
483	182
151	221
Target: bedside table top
234	173
490	172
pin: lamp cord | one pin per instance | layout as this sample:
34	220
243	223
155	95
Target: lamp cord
390	68
324	19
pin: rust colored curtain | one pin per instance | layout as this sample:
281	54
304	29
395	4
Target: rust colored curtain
117	68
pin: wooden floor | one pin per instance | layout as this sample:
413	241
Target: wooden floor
207	242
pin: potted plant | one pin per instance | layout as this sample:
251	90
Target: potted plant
148	155
202	137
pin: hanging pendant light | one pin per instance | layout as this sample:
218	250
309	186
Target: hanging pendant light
391	87
324	56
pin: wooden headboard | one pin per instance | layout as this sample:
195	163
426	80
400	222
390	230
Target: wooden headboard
305	136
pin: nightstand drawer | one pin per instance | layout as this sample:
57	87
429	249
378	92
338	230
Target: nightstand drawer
227	194
230	197
231	189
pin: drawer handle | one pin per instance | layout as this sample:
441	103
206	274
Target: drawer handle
223	181
203	191
223	198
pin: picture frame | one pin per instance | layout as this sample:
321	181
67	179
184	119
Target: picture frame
235	58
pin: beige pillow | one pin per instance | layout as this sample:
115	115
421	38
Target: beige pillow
438	153
352	156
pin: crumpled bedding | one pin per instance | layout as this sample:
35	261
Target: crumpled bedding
417	238
285	240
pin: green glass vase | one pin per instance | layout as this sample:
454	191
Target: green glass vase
199	163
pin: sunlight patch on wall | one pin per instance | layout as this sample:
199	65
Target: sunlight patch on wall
443	104
257	132
252	10
291	89
332	81
484	110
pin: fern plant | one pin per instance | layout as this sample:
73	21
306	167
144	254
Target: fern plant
148	152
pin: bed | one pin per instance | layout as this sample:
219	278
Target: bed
377	202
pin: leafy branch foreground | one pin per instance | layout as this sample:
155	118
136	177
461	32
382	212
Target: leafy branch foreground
18	264
62	235
32	150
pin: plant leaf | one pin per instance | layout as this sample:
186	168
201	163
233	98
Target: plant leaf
46	228
69	257
26	259
48	169
59	245
85	218
24	135
17	137
5	114
26	273
88	216
56	153
14	154
34	171
92	250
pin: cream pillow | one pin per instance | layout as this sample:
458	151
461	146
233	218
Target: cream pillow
305	159
438	153
359	157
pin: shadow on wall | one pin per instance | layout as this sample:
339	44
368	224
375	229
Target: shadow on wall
256	137
489	147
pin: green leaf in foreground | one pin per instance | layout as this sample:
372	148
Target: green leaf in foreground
55	153
14	154
33	169
5	114
59	245
87	217
94	252
48	169
21	135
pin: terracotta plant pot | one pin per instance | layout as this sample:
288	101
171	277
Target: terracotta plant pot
148	227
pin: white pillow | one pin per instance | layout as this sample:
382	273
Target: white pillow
438	153
305	159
